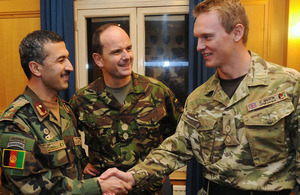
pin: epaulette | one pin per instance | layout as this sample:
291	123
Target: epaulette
13	108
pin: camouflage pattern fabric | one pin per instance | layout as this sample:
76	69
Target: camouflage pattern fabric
249	142
39	155
123	135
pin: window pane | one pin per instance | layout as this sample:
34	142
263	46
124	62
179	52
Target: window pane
92	24
166	51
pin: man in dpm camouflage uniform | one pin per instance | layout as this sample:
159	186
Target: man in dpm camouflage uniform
124	115
40	145
242	125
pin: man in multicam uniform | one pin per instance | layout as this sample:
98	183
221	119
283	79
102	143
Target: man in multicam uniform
40	145
242	125
124	115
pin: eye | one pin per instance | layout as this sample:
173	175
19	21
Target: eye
129	48
116	52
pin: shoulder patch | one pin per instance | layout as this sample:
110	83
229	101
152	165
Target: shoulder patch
13	159
13	108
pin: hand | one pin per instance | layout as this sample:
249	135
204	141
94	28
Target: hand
114	185
126	177
91	170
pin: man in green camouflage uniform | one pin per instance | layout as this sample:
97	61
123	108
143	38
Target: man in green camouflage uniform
242	125
40	145
121	130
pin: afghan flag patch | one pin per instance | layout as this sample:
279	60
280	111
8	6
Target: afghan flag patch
13	158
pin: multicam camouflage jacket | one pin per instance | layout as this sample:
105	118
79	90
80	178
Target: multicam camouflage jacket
122	135
39	155
250	141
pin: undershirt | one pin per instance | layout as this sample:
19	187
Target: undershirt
121	92
229	86
54	107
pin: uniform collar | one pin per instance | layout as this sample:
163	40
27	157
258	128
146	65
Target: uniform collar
257	75
139	85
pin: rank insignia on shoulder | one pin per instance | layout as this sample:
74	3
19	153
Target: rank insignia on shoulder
40	109
13	158
267	101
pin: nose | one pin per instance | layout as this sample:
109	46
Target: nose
200	45
125	54
69	66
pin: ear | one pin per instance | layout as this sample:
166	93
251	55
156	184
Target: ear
98	60
238	32
35	68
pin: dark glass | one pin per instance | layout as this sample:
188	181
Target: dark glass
166	51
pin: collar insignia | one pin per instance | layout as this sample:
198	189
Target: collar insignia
40	109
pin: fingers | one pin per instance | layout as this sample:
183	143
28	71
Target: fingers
114	185
91	170
114	172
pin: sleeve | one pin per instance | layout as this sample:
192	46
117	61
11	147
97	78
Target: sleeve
26	169
172	154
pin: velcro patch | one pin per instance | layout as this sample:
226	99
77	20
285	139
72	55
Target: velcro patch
77	141
54	146
13	158
267	101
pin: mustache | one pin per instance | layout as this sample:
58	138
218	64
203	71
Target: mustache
65	73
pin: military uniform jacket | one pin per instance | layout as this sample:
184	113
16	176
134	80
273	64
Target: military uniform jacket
250	141
122	135
39	155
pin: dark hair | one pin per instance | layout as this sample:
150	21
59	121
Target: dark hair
31	47
231	13
97	47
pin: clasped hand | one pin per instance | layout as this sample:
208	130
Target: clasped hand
114	181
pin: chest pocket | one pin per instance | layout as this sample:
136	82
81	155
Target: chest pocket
205	126
265	129
98	129
149	124
55	153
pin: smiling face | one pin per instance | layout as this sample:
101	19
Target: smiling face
56	67
117	58
216	45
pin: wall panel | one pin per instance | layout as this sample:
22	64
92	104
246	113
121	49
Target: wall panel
17	19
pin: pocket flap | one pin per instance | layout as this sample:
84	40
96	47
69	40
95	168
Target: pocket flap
268	116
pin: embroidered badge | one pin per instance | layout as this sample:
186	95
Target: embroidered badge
40	109
54	146
16	142
13	158
77	141
267	101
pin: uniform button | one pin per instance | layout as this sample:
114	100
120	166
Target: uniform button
269	121
46	131
228	139
227	128
125	136
48	137
124	127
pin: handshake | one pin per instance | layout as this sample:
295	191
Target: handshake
112	181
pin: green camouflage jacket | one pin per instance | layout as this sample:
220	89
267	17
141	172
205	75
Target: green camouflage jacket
250	141
39	155
122	135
